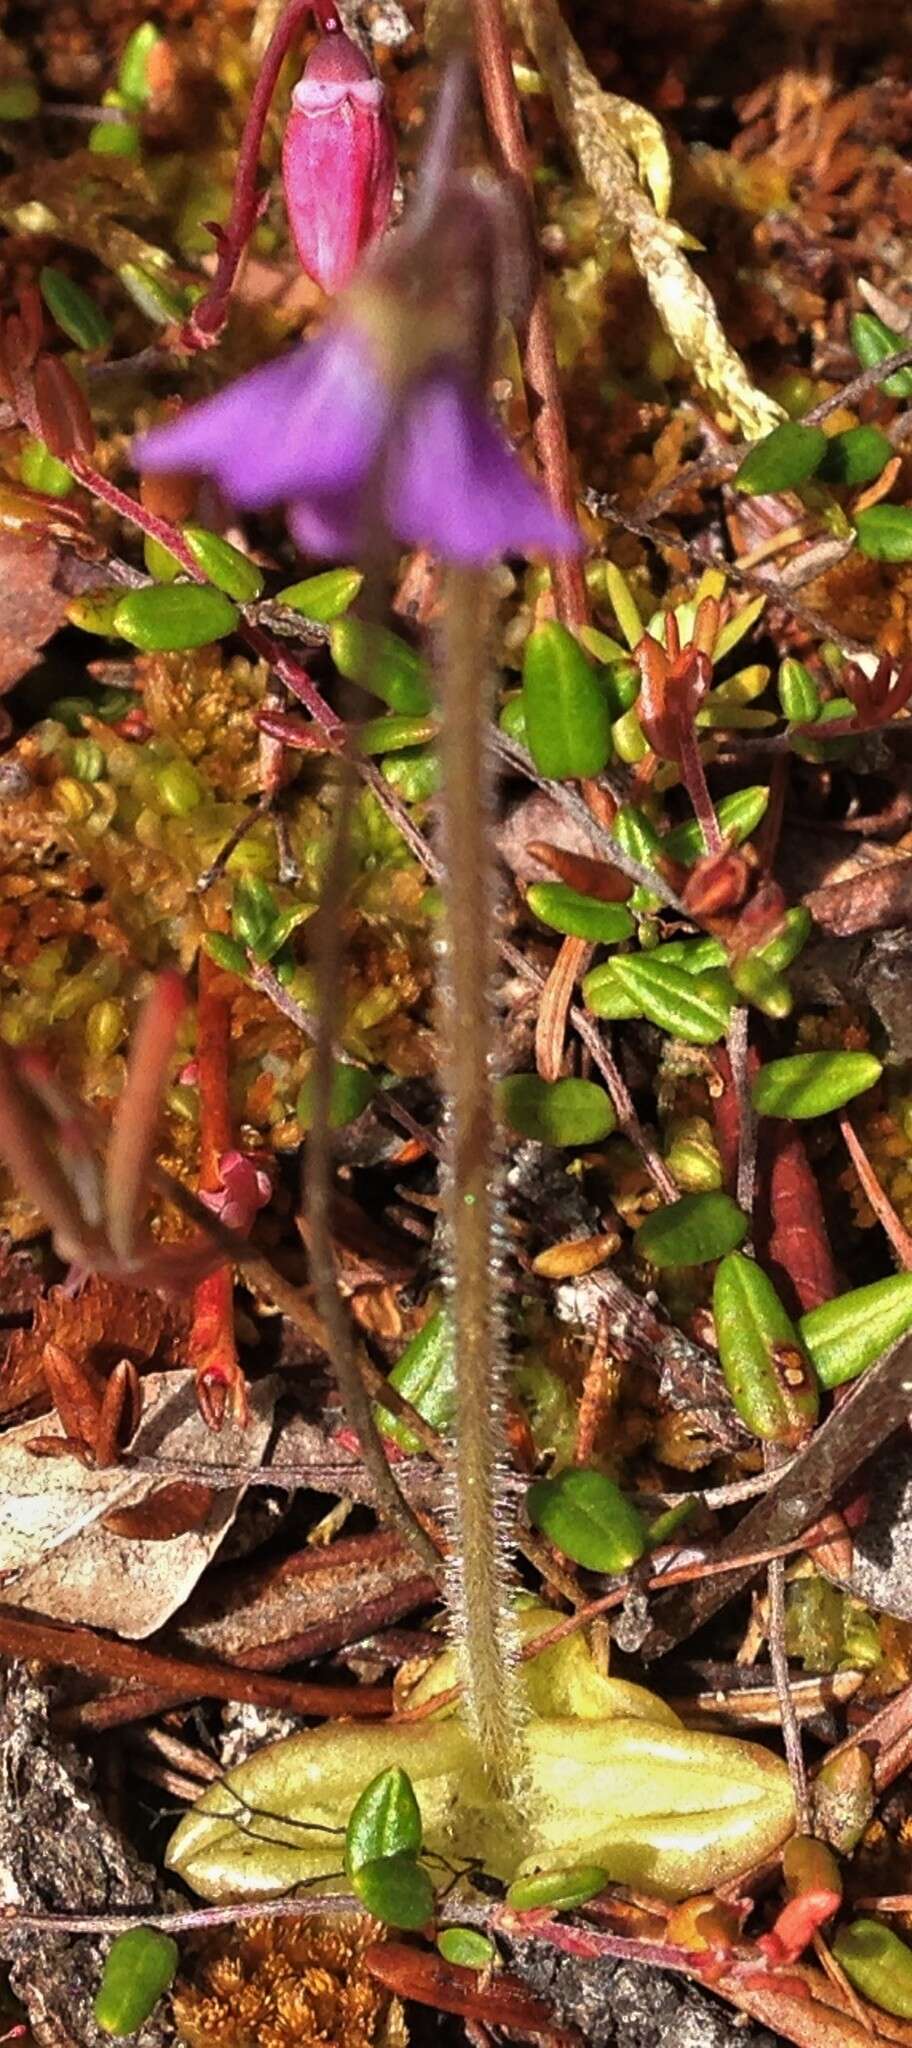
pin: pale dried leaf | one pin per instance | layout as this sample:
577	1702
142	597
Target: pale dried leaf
67	1565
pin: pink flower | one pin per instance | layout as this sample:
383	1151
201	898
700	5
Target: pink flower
246	1187
338	161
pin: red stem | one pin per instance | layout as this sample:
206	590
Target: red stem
220	1381
208	318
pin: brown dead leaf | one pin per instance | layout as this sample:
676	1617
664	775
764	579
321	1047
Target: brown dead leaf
874	897
31	606
176	1510
101	1324
59	1555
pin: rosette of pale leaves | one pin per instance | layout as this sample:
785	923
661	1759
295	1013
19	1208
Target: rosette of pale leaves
609	1776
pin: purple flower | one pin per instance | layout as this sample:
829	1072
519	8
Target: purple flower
322	432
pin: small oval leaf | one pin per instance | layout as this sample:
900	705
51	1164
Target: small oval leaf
813	1083
385	1821
738	816
577	916
324	597
695	1007
884	533
426	1376
846	1335
568	717
396	1890
225	566
465	1947
77	316
139	1966
772	1385
798	692
166	619
351	1089
784	458
873	341
586	1516
692	1231
878	1964
566	1112
558	1889
855	457
382	663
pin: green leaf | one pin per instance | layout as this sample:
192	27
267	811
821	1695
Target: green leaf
254	910
738	815
695	1007
696	956
465	1947
566	1112
814	746
624	604
76	314
878	1964
121	138
383	664
779	951
638	836
813	1083
559	1889
426	1376
798	692
227	953
580	917
855	457
393	734
42	471
414	774
324	597
351	1089
759	984
846	1335
692	1231
884	533
133	75
396	1890
784	458
225	566
604	996
385	1821
873	341
139	1966
587	1517
621	682
512	718
154	294
19	100
568	719
693	1157
772	1385
166	619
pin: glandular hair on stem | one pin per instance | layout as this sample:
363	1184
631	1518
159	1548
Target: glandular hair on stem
481	1611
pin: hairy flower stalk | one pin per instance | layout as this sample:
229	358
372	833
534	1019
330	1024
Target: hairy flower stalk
480	1608
379	432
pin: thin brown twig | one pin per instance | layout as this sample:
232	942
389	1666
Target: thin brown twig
97	1656
791	1732
876	1195
546	405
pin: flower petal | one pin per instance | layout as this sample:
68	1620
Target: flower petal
455	485
328	528
311	422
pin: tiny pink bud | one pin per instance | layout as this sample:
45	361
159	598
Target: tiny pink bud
338	161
